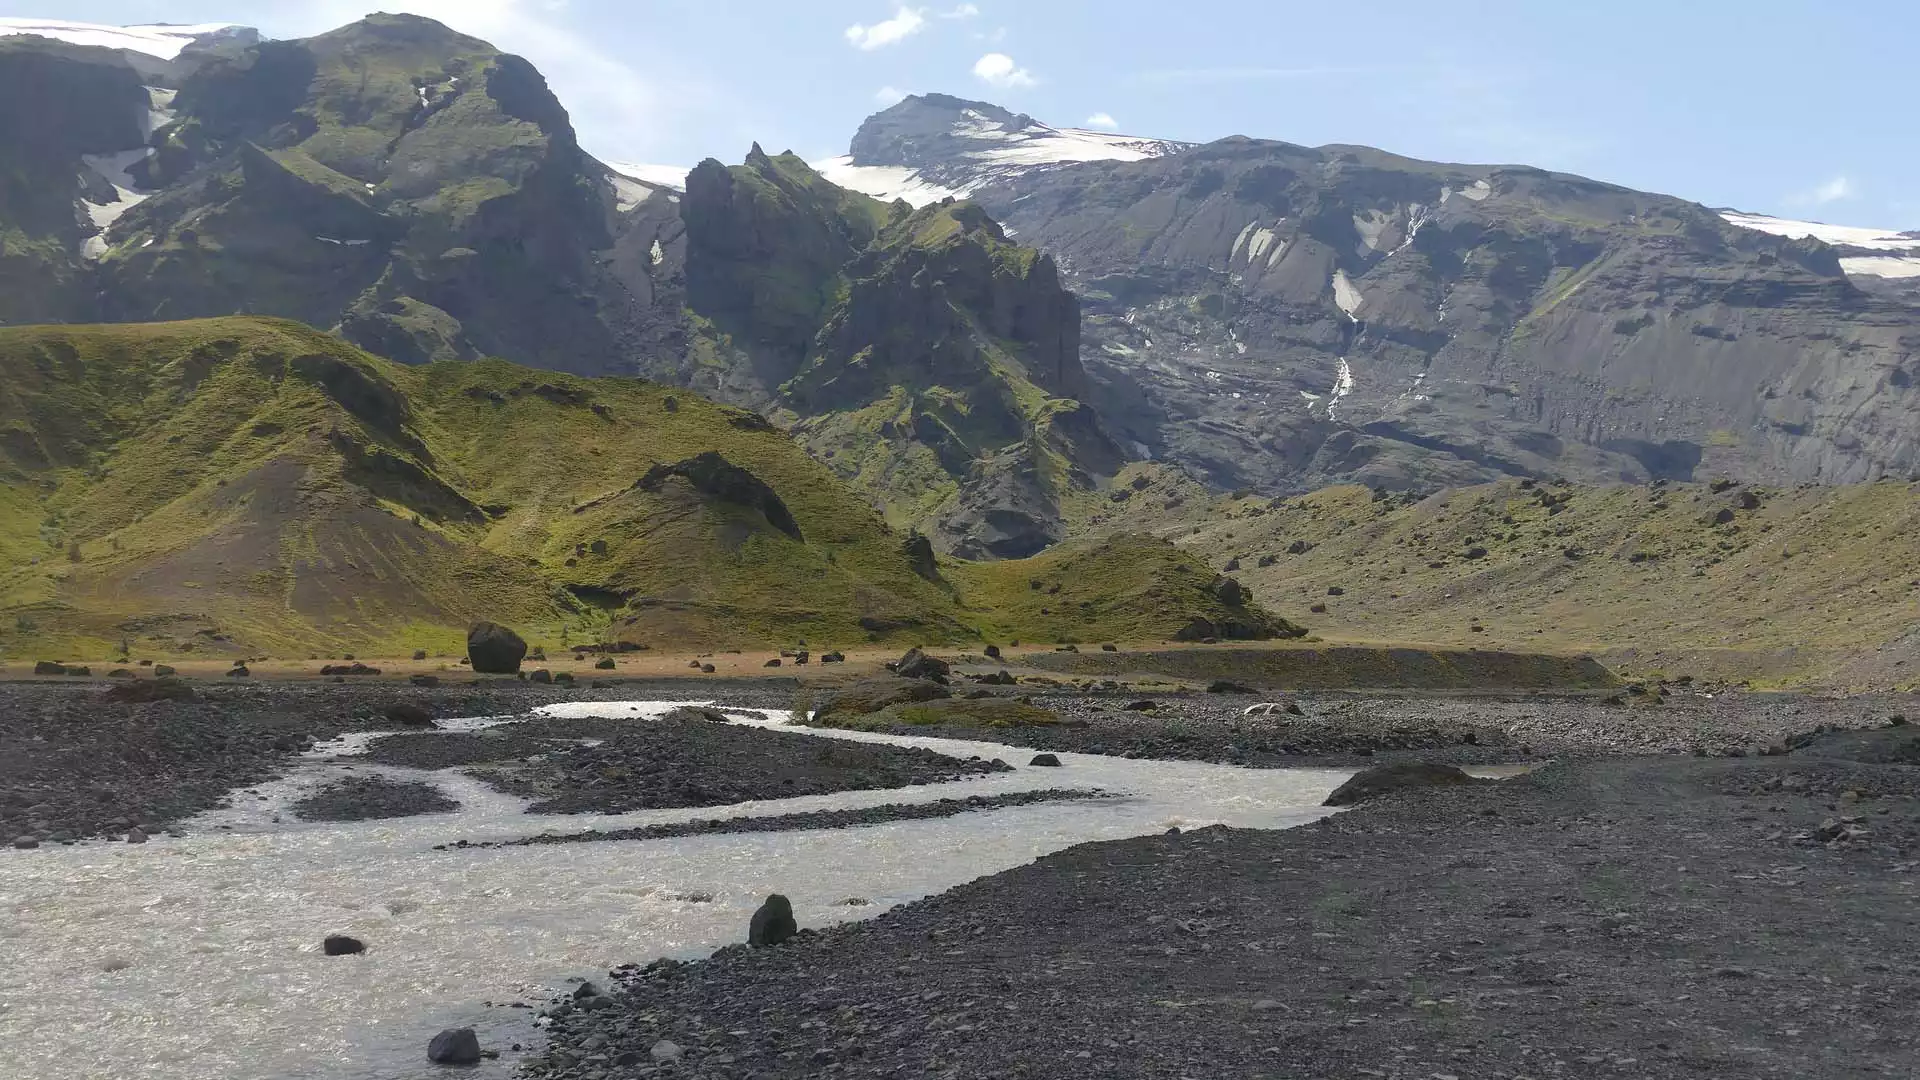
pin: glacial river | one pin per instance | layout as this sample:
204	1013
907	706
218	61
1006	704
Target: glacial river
198	958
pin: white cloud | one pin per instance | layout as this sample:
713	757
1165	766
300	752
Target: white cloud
889	95
964	11
1103	120
1833	191
998	70
905	23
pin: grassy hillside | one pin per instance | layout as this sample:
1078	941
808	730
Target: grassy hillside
1779	585
252	485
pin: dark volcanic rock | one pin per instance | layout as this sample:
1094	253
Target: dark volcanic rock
364	798
455	1046
772	922
342	945
1046	760
715	476
919	665
494	649
1374	783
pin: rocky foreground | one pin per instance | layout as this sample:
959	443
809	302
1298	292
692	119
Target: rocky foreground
1614	917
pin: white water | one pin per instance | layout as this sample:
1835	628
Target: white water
198	957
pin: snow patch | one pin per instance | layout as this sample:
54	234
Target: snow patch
1370	226
884	182
163	40
656	253
673	177
1346	294
1262	240
1477	191
1342	386
1890	266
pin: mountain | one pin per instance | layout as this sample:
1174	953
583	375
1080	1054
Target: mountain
422	195
1282	317
240	485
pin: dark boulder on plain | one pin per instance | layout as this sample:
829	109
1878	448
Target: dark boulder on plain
342	945
495	649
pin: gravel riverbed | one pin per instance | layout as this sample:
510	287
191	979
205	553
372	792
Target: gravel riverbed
1599	918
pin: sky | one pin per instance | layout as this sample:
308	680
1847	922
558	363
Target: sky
1800	108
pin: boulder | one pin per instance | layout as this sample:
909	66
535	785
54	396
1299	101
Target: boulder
773	922
239	672
341	945
775	662
872	695
835	657
162	671
79	670
1231	593
408	714
455	1046
706	669
605	663
1389	778
541	676
424	680
419	654
494	649
1051	761
25	842
918	665
49	667
993	652
136	835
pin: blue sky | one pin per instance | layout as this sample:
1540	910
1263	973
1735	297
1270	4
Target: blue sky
1797	108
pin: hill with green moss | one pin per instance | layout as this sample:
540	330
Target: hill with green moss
248	485
931	361
1778	585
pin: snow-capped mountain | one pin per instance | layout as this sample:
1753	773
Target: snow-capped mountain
162	40
1886	253
932	146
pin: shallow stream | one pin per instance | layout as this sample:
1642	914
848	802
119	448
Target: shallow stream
198	958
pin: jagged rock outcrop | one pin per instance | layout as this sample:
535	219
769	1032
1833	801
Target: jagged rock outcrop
715	476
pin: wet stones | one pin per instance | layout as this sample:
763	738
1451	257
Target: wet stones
136	835
26	842
454	1046
1048	761
342	945
918	665
773	922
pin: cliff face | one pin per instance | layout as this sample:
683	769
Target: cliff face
1281	317
922	354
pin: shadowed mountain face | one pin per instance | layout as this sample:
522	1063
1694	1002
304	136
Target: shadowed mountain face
1275	316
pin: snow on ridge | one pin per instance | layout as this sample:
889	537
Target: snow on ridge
1840	235
1897	253
666	176
884	182
163	40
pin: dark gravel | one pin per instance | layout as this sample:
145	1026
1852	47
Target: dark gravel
683	759
76	765
364	798
1601	918
1359	729
816	819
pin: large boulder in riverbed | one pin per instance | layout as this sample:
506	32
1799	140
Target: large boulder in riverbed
455	1046
773	923
872	695
1389	778
494	649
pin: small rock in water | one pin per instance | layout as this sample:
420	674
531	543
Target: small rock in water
24	842
454	1046
342	945
585	990
773	922
1047	760
135	836
665	1050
